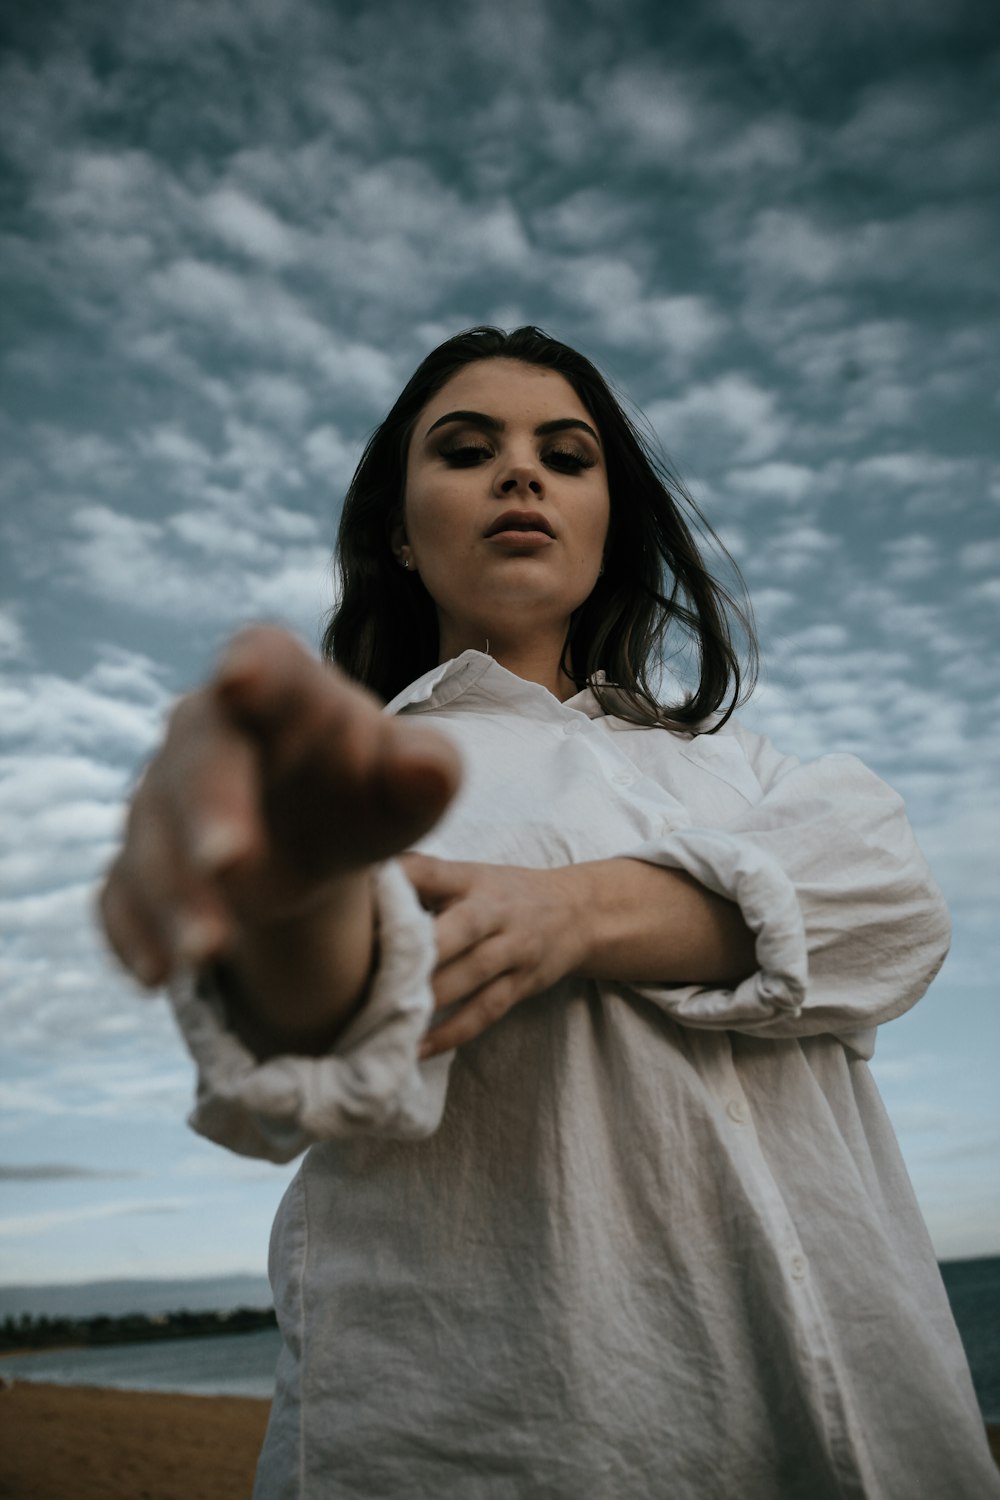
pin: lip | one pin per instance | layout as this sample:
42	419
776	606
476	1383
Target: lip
521	541
523	523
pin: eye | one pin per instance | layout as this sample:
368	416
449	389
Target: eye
465	455
568	461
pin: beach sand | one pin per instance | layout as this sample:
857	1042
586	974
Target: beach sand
80	1443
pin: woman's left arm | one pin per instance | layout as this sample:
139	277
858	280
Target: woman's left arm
813	912
505	933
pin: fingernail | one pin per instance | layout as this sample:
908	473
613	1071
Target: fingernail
194	938
217	844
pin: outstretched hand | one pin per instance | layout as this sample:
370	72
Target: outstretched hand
278	785
504	933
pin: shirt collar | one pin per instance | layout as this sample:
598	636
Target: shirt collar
474	670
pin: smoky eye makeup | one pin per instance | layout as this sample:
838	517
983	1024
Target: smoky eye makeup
465	455
462	454
570	460
465	450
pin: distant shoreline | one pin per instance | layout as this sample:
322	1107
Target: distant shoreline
43	1335
118	1297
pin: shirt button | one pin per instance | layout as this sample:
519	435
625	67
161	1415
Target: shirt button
623	778
576	726
737	1110
798	1266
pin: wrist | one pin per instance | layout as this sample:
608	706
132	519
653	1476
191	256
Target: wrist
299	978
582	916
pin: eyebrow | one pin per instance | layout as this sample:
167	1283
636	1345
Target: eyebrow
493	424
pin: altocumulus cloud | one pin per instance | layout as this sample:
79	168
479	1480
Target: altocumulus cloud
773	228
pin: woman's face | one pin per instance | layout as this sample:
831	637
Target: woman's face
506	506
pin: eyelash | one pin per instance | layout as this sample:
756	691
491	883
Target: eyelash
466	455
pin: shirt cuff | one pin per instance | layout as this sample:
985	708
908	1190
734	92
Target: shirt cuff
370	1083
739	870
850	928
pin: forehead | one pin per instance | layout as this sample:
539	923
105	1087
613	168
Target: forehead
508	389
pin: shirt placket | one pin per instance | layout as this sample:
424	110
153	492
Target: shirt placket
715	1063
664	812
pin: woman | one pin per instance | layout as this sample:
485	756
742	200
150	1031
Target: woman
647	1232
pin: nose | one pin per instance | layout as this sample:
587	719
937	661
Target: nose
519	478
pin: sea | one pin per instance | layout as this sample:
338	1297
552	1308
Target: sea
242	1364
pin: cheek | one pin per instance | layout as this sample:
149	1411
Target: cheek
420	506
433	526
600	521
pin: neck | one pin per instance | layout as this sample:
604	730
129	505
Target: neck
534	660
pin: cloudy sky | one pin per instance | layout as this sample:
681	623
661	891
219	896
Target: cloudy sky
231	228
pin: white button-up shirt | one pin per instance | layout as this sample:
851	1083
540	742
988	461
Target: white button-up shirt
635	1240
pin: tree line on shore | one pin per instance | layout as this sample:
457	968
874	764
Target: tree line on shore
42	1332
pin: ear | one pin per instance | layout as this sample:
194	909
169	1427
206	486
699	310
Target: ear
397	535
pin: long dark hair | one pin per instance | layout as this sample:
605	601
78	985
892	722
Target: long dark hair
655	595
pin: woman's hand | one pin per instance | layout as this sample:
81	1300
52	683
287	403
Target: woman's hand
278	784
503	934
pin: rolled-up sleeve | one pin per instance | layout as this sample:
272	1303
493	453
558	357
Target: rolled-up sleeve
370	1083
850	928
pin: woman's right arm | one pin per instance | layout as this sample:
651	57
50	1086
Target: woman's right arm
252	841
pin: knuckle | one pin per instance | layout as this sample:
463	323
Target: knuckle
249	636
259	639
489	972
183	714
185	724
334	720
467	931
536	952
479	923
445	993
496	1003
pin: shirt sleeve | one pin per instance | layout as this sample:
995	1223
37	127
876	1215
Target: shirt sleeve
850	927
370	1083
